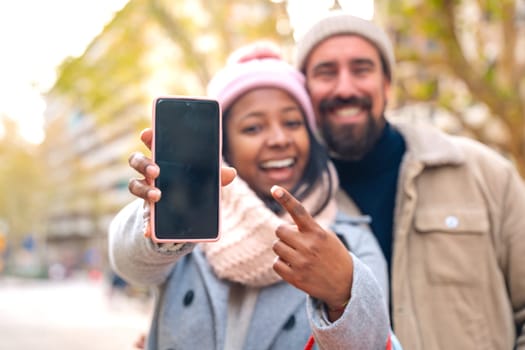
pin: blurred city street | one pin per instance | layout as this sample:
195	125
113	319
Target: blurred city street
77	313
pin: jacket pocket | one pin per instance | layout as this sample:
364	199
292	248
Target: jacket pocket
454	243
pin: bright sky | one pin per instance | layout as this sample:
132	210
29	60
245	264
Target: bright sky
35	37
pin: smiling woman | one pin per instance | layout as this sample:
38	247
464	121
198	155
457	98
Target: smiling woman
33	45
274	136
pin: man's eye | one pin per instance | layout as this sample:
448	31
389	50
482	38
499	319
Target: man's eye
362	70
325	73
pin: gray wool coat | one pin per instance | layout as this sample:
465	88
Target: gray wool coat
192	303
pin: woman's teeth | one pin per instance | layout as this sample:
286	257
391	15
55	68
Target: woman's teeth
281	163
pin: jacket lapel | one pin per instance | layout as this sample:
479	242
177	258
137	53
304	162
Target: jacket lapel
268	323
217	294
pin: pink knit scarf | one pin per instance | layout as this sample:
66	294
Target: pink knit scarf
244	253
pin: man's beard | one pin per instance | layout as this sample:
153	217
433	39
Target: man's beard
350	142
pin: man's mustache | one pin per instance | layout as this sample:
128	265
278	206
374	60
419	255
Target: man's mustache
361	102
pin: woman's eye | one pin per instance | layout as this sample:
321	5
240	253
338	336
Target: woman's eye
251	129
294	123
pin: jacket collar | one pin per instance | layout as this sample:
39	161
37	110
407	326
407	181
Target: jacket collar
429	145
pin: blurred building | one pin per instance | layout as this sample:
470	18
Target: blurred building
89	176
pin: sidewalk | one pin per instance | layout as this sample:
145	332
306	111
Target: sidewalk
72	314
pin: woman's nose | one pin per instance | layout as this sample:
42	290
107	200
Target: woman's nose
278	137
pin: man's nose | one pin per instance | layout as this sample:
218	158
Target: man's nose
345	86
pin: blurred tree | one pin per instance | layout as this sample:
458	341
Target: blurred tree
102	99
22	184
107	80
208	30
178	44
468	58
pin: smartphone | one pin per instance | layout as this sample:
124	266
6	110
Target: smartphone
186	146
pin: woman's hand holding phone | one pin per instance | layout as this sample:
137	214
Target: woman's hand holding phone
144	187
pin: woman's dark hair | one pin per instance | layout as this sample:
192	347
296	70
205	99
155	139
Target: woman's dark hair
316	169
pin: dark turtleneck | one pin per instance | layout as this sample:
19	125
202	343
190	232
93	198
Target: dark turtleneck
372	183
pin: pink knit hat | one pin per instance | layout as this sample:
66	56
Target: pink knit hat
255	66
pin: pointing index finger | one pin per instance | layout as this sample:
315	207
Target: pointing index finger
299	214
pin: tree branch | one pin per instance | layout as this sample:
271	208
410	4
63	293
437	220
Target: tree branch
508	46
480	88
181	38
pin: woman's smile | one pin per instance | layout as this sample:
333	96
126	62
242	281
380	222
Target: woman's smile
279	170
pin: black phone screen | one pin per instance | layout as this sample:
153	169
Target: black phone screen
187	150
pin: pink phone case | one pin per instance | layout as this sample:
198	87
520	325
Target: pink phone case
219	155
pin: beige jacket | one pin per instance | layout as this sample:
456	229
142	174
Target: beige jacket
458	269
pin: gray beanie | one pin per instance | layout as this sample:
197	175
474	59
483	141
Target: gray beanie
337	22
